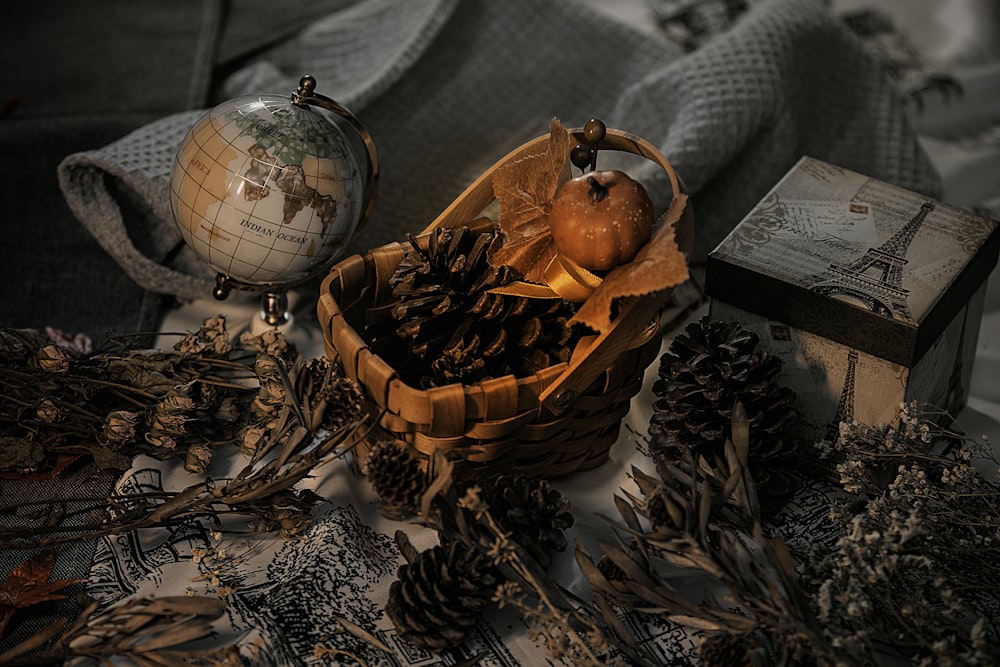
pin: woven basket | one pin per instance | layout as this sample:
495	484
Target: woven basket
562	419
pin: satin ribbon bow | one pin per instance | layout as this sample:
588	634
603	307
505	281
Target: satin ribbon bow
564	279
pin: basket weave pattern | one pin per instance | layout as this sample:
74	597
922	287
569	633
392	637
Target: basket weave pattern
500	424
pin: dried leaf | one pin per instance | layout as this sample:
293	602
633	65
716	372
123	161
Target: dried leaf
632	570
695	622
657	267
363	634
405	547
627	513
525	189
29	584
595	578
704	508
181	632
612	619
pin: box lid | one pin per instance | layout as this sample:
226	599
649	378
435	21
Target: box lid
867	264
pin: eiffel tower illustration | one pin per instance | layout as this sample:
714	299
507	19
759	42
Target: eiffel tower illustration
876	279
845	406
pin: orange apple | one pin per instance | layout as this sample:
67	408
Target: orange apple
600	219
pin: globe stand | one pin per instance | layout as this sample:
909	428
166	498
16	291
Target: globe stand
274	313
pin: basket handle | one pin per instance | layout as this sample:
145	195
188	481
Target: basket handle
636	316
479	194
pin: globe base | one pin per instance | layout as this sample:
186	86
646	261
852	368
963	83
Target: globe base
274	308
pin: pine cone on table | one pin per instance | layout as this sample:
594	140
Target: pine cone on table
396	476
439	597
534	513
455	329
705	371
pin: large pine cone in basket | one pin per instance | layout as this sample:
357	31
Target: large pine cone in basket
454	329
706	369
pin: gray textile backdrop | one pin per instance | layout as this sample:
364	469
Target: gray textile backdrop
447	87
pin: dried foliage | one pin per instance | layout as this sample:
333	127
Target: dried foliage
912	575
915	573
143	632
486	544
255	397
285	416
705	520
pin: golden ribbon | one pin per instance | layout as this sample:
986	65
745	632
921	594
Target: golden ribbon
564	279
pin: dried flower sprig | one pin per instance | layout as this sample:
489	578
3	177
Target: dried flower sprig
916	568
496	536
187	403
706	520
160	631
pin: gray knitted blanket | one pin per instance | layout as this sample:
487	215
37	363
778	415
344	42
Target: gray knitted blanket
446	88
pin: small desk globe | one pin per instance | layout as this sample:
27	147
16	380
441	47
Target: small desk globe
268	191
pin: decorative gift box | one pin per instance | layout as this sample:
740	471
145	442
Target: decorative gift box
871	294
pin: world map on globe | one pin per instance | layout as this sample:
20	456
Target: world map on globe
266	191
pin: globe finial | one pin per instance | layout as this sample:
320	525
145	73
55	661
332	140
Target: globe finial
307	86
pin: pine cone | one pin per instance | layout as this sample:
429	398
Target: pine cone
396	476
455	329
705	371
534	513
322	386
438	598
725	650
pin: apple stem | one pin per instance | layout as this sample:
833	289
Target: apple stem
597	191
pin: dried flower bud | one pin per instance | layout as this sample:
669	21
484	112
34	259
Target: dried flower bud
271	396
266	368
53	359
198	458
47	411
228	410
213	332
119	427
175	403
211	337
270	342
161	440
289	511
20	454
251	438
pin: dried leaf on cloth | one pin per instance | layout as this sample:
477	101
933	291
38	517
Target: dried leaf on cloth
29	584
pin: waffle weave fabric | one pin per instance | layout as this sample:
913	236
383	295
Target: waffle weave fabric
446	88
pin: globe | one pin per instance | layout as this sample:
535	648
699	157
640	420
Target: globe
267	189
